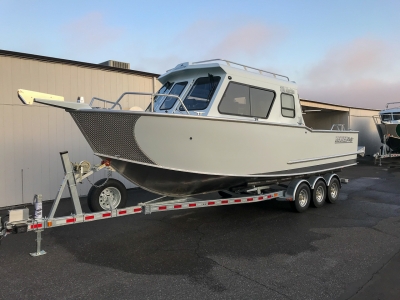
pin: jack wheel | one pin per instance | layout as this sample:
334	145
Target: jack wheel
99	198
302	198
319	194
333	190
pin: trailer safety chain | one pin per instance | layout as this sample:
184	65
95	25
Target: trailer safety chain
109	175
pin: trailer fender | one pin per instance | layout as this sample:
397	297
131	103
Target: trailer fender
292	188
328	179
313	180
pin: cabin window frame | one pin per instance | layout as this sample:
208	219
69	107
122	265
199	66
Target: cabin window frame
180	107
176	99
287	108
390	115
249	87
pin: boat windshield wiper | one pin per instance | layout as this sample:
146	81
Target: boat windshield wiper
168	85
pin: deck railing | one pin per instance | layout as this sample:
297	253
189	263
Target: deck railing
152	95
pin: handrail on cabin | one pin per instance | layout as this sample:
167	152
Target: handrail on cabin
387	105
244	67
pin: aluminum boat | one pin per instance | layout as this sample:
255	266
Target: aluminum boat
213	125
388	126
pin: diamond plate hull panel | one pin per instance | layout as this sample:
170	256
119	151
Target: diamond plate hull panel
111	134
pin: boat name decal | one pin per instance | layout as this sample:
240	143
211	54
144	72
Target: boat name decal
287	90
343	139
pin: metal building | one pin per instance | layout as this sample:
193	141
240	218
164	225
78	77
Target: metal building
32	137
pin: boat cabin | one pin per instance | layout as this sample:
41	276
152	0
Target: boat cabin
390	115
223	89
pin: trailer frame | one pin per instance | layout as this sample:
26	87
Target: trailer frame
20	223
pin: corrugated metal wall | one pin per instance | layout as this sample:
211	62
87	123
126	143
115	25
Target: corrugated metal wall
31	137
362	121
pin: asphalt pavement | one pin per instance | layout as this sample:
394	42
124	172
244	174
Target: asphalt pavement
346	250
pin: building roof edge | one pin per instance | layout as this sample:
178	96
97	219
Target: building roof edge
74	63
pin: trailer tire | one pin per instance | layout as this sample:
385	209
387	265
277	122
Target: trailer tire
97	198
302	198
333	190
319	194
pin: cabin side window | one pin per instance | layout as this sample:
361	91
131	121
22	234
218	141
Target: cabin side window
169	102
247	101
287	102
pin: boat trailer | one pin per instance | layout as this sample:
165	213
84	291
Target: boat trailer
300	192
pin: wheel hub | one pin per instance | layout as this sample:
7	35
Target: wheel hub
110	195
303	198
333	190
319	194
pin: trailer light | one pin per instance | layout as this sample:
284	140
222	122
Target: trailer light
49	223
224	201
238	200
178	206
276	195
211	203
137	210
249	199
122	212
260	198
105	215
192	204
36	226
87	218
71	220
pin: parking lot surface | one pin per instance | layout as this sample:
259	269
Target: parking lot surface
346	250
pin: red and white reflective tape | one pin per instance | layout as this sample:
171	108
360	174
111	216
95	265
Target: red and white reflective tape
36	226
117	213
150	207
88	217
207	203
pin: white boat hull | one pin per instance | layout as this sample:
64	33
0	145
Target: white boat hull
182	155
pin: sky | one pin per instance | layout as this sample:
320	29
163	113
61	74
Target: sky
340	52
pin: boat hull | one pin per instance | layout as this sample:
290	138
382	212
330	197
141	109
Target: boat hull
392	133
184	155
180	183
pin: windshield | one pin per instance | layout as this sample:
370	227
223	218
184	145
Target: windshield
396	116
201	93
386	117
169	102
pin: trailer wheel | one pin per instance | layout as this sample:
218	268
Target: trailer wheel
319	194
98	197
333	190
302	198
